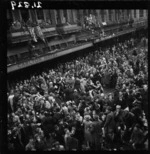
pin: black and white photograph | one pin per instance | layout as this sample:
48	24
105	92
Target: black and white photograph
77	79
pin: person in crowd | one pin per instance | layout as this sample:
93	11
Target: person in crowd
96	133
137	137
68	107
109	127
119	124
30	146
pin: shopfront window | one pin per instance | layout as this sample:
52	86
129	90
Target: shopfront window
141	13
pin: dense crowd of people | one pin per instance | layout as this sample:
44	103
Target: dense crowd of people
66	108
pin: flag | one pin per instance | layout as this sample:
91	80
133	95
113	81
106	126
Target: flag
39	33
32	33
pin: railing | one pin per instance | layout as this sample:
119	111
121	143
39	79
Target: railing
88	39
43	53
48	56
140	23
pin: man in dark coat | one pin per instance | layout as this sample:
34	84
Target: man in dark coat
119	123
79	134
129	121
47	125
40	144
137	137
96	133
109	127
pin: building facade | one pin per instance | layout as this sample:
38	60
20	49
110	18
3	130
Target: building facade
59	27
55	17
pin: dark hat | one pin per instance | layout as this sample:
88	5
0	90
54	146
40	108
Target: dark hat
137	125
96	117
56	143
108	108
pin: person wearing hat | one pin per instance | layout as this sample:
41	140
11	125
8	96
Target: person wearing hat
119	123
129	121
96	132
109	127
39	143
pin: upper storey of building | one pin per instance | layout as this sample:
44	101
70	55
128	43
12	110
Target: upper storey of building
65	21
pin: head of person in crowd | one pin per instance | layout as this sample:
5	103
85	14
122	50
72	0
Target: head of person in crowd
108	110
118	108
145	87
110	96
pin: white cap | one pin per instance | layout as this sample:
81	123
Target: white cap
126	109
102	94
118	107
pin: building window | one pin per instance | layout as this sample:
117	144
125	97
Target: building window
48	16
58	18
71	16
24	55
134	13
40	15
33	16
65	16
78	15
57	46
11	59
110	15
95	13
122	15
141	13
102	12
116	15
85	13
128	13
63	45
53	47
70	43
16	15
25	15
89	12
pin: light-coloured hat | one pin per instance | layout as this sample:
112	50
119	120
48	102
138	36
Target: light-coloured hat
61	147
118	107
87	117
75	90
126	109
102	94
